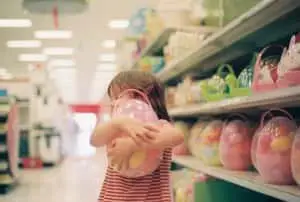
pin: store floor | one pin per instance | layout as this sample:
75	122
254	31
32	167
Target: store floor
75	180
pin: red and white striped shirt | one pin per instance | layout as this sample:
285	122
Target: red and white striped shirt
154	187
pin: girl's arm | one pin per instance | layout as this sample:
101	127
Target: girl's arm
165	137
104	133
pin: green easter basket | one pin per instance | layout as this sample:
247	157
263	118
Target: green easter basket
245	80
218	87
210	94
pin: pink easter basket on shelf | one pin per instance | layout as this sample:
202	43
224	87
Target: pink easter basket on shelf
289	66
265	70
143	162
235	143
295	160
273	148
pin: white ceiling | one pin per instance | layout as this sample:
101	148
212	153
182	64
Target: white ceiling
90	29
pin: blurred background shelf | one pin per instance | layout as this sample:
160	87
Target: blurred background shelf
162	39
249	180
273	19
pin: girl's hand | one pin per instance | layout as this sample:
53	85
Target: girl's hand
166	135
120	152
135	129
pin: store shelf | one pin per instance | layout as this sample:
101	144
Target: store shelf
277	98
162	39
266	22
4	100
249	180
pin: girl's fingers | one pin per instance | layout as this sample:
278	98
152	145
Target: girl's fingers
151	135
152	127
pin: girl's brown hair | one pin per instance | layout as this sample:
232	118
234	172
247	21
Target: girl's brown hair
146	83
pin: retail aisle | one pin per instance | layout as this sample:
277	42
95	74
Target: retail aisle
76	180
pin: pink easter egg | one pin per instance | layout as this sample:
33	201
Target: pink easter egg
273	154
235	145
295	157
140	110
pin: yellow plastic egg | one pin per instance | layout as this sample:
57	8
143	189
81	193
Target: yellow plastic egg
281	144
180	195
137	159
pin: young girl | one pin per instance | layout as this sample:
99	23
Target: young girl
154	187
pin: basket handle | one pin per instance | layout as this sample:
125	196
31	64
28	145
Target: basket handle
258	61
291	44
238	115
223	66
264	50
263	117
142	94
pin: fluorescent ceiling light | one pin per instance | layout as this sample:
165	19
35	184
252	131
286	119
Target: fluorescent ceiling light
53	34
109	44
107	57
58	51
106	67
61	63
15	23
3	71
118	24
32	58
24	44
6	77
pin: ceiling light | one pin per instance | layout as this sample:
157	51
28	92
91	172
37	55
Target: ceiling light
61	63
4	74
32	58
53	34
58	51
3	71
24	44
107	67
63	6
107	57
6	77
15	23
118	24
109	44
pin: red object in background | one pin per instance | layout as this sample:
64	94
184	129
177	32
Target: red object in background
32	163
55	17
89	108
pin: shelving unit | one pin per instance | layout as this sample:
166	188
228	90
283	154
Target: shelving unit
9	142
271	18
249	180
162	39
278	98
269	21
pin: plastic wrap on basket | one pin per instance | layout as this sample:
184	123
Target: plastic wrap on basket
142	162
295	160
273	151
235	144
195	137
209	143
